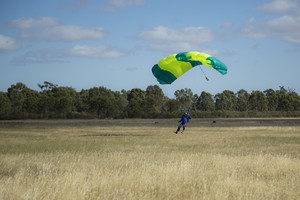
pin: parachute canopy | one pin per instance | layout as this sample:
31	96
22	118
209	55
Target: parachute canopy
172	67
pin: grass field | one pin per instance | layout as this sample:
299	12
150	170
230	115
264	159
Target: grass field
63	161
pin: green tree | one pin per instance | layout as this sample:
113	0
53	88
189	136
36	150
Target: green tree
226	101
47	86
257	101
121	103
294	98
154	99
103	105
17	97
82	104
242	100
5	106
205	102
31	101
136	99
47	99
285	100
103	101
171	106
288	100
296	102
271	99
64	100
185	98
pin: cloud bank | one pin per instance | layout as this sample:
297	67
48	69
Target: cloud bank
49	29
285	27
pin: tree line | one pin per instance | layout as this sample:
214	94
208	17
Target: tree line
53	101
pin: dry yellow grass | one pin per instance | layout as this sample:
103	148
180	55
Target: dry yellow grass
149	163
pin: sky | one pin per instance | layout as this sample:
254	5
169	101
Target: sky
115	43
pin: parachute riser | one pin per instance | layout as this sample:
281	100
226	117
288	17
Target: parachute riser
204	74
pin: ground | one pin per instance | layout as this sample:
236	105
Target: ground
144	159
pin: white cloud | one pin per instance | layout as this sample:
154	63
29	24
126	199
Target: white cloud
65	33
174	40
190	34
94	52
51	29
60	55
115	5
30	23
7	43
279	6
285	27
285	24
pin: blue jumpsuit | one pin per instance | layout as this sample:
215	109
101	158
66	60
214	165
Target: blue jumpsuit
184	120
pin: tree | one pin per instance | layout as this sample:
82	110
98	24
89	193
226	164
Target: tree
17	97
64	100
47	99
226	101
296	102
288	100
121	103
103	105
102	101
31	101
136	98
271	99
154	99
55	101
47	86
284	100
257	101
242	100
185	97
205	102
171	105
82	104
5	106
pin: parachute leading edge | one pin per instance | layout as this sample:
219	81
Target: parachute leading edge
172	67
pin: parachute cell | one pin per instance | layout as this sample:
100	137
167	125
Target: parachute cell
172	67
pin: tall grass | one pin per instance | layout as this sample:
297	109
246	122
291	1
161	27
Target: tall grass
122	162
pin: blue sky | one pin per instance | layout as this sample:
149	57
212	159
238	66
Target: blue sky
115	43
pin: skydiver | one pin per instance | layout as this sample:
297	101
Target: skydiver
184	120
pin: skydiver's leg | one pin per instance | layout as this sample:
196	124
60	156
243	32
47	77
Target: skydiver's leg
178	129
183	128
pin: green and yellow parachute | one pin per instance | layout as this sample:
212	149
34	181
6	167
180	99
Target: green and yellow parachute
172	67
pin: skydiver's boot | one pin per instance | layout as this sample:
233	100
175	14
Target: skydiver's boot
177	130
183	129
